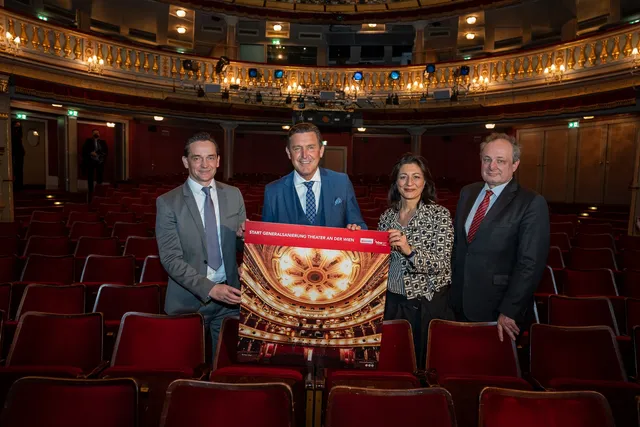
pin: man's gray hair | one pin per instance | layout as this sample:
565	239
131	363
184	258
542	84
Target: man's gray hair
511	139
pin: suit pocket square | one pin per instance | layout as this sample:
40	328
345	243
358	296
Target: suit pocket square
337	201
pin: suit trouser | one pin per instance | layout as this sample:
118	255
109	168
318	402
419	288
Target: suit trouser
98	170
214	313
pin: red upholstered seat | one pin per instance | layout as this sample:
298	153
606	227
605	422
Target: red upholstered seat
47	245
78	216
509	408
87	229
153	271
563	227
107	246
579	358
47	216
10	229
141	247
113	301
589	282
52	299
586	311
45	228
71	403
630	259
604	228
555	259
466	357
99	270
352	406
595	241
226	369
9	245
589	259
560	240
396	368
546	287
194	403
53	345
112	217
8	268
123	230
156	350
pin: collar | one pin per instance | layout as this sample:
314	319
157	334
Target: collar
197	188
298	180
496	190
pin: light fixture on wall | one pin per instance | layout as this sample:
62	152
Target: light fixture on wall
361	129
470	36
158	118
471	20
588	117
490	125
555	73
95	64
479	84
57	105
372	25
181	29
111	125
286	127
277	27
181	13
12	43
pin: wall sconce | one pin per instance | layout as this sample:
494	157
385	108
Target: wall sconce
95	65
555	73
479	84
12	43
635	54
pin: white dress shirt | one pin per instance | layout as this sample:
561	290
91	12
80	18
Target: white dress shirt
301	189
496	193
219	275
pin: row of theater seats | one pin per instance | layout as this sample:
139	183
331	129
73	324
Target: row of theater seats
113	403
463	358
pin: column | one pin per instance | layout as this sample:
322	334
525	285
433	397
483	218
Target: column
231	44
229	141
489	37
6	172
569	30
322	56
83	15
71	153
416	139
418	43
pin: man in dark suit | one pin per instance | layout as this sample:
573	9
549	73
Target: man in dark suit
199	228
501	242
94	155
311	195
17	153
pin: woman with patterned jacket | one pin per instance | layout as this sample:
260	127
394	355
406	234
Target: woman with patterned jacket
421	238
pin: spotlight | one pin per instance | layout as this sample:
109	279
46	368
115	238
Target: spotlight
372	25
286	127
357	76
362	129
396	100
187	64
288	100
431	68
471	20
200	92
470	36
225	95
278	74
253	73
277	27
111	125
181	30
181	13
158	118
221	65
258	97
464	70
490	125
394	75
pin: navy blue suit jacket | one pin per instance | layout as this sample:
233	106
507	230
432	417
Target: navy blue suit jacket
338	204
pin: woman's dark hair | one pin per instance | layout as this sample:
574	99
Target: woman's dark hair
428	192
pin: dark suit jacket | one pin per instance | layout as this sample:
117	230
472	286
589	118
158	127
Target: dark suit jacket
499	271
183	247
88	147
338	204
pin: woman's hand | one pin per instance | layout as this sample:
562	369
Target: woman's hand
398	241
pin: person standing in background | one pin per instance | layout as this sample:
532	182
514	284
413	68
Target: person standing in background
17	156
94	155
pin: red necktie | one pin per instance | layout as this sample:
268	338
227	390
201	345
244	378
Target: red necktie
479	216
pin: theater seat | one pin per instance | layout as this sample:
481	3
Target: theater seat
466	357
48	402
198	403
353	406
156	350
509	408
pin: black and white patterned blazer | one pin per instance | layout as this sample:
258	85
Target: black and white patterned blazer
430	235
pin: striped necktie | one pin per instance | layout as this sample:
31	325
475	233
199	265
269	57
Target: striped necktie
479	216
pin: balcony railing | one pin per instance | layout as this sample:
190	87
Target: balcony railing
43	47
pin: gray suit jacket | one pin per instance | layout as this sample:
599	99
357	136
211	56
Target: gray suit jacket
183	247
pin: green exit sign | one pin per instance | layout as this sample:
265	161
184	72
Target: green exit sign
275	41
72	113
573	125
21	116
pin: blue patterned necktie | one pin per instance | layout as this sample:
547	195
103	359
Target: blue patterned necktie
310	212
214	257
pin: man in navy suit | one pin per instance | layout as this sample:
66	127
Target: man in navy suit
311	195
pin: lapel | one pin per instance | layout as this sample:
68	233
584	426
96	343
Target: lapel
471	198
507	195
326	198
291	201
190	201
223	206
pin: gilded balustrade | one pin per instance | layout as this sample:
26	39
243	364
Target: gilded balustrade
45	45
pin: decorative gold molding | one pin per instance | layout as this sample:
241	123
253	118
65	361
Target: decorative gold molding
4	85
4	116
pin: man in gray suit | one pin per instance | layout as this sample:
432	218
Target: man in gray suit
199	228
